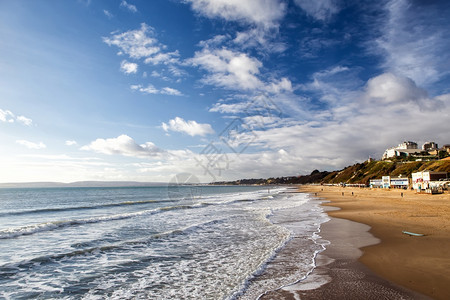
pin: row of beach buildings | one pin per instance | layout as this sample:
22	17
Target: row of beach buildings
426	181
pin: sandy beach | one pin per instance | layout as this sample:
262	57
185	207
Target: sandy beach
398	262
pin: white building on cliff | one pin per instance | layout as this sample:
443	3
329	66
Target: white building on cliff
405	147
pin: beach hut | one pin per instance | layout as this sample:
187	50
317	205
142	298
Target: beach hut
423	181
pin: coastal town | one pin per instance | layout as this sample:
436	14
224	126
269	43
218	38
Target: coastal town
404	166
427	181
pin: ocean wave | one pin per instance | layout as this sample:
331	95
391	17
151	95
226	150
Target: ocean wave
72	208
53	225
49	226
10	269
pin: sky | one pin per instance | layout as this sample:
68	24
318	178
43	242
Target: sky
218	89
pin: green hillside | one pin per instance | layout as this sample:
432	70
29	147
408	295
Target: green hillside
358	173
363	172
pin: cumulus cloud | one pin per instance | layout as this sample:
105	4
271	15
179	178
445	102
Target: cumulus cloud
388	89
319	9
128	6
150	89
31	145
128	67
360	121
191	128
258	12
229	69
123	145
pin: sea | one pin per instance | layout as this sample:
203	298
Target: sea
158	242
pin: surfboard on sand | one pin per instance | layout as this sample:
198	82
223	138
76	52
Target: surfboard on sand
413	234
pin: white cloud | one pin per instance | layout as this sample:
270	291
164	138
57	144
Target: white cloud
128	6
388	89
150	89
214	41
71	143
170	91
191	128
123	145
259	12
31	145
137	43
141	44
283	85
319	9
163	58
361	120
260	39
6	116
128	67
229	69
24	120
231	108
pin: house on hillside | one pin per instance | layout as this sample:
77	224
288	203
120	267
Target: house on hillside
405	148
428	146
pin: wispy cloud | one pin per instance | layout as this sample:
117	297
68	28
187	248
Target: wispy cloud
71	143
150	89
191	128
141	44
24	120
321	10
229	108
128	67
123	145
170	91
137	43
414	43
261	39
31	145
108	14
128	6
163	58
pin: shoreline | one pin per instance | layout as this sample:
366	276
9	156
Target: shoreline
402	262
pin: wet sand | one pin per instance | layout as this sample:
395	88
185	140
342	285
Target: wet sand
339	274
392	268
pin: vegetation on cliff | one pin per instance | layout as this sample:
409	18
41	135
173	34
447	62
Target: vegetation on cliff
359	173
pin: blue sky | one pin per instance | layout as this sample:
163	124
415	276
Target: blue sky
220	89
